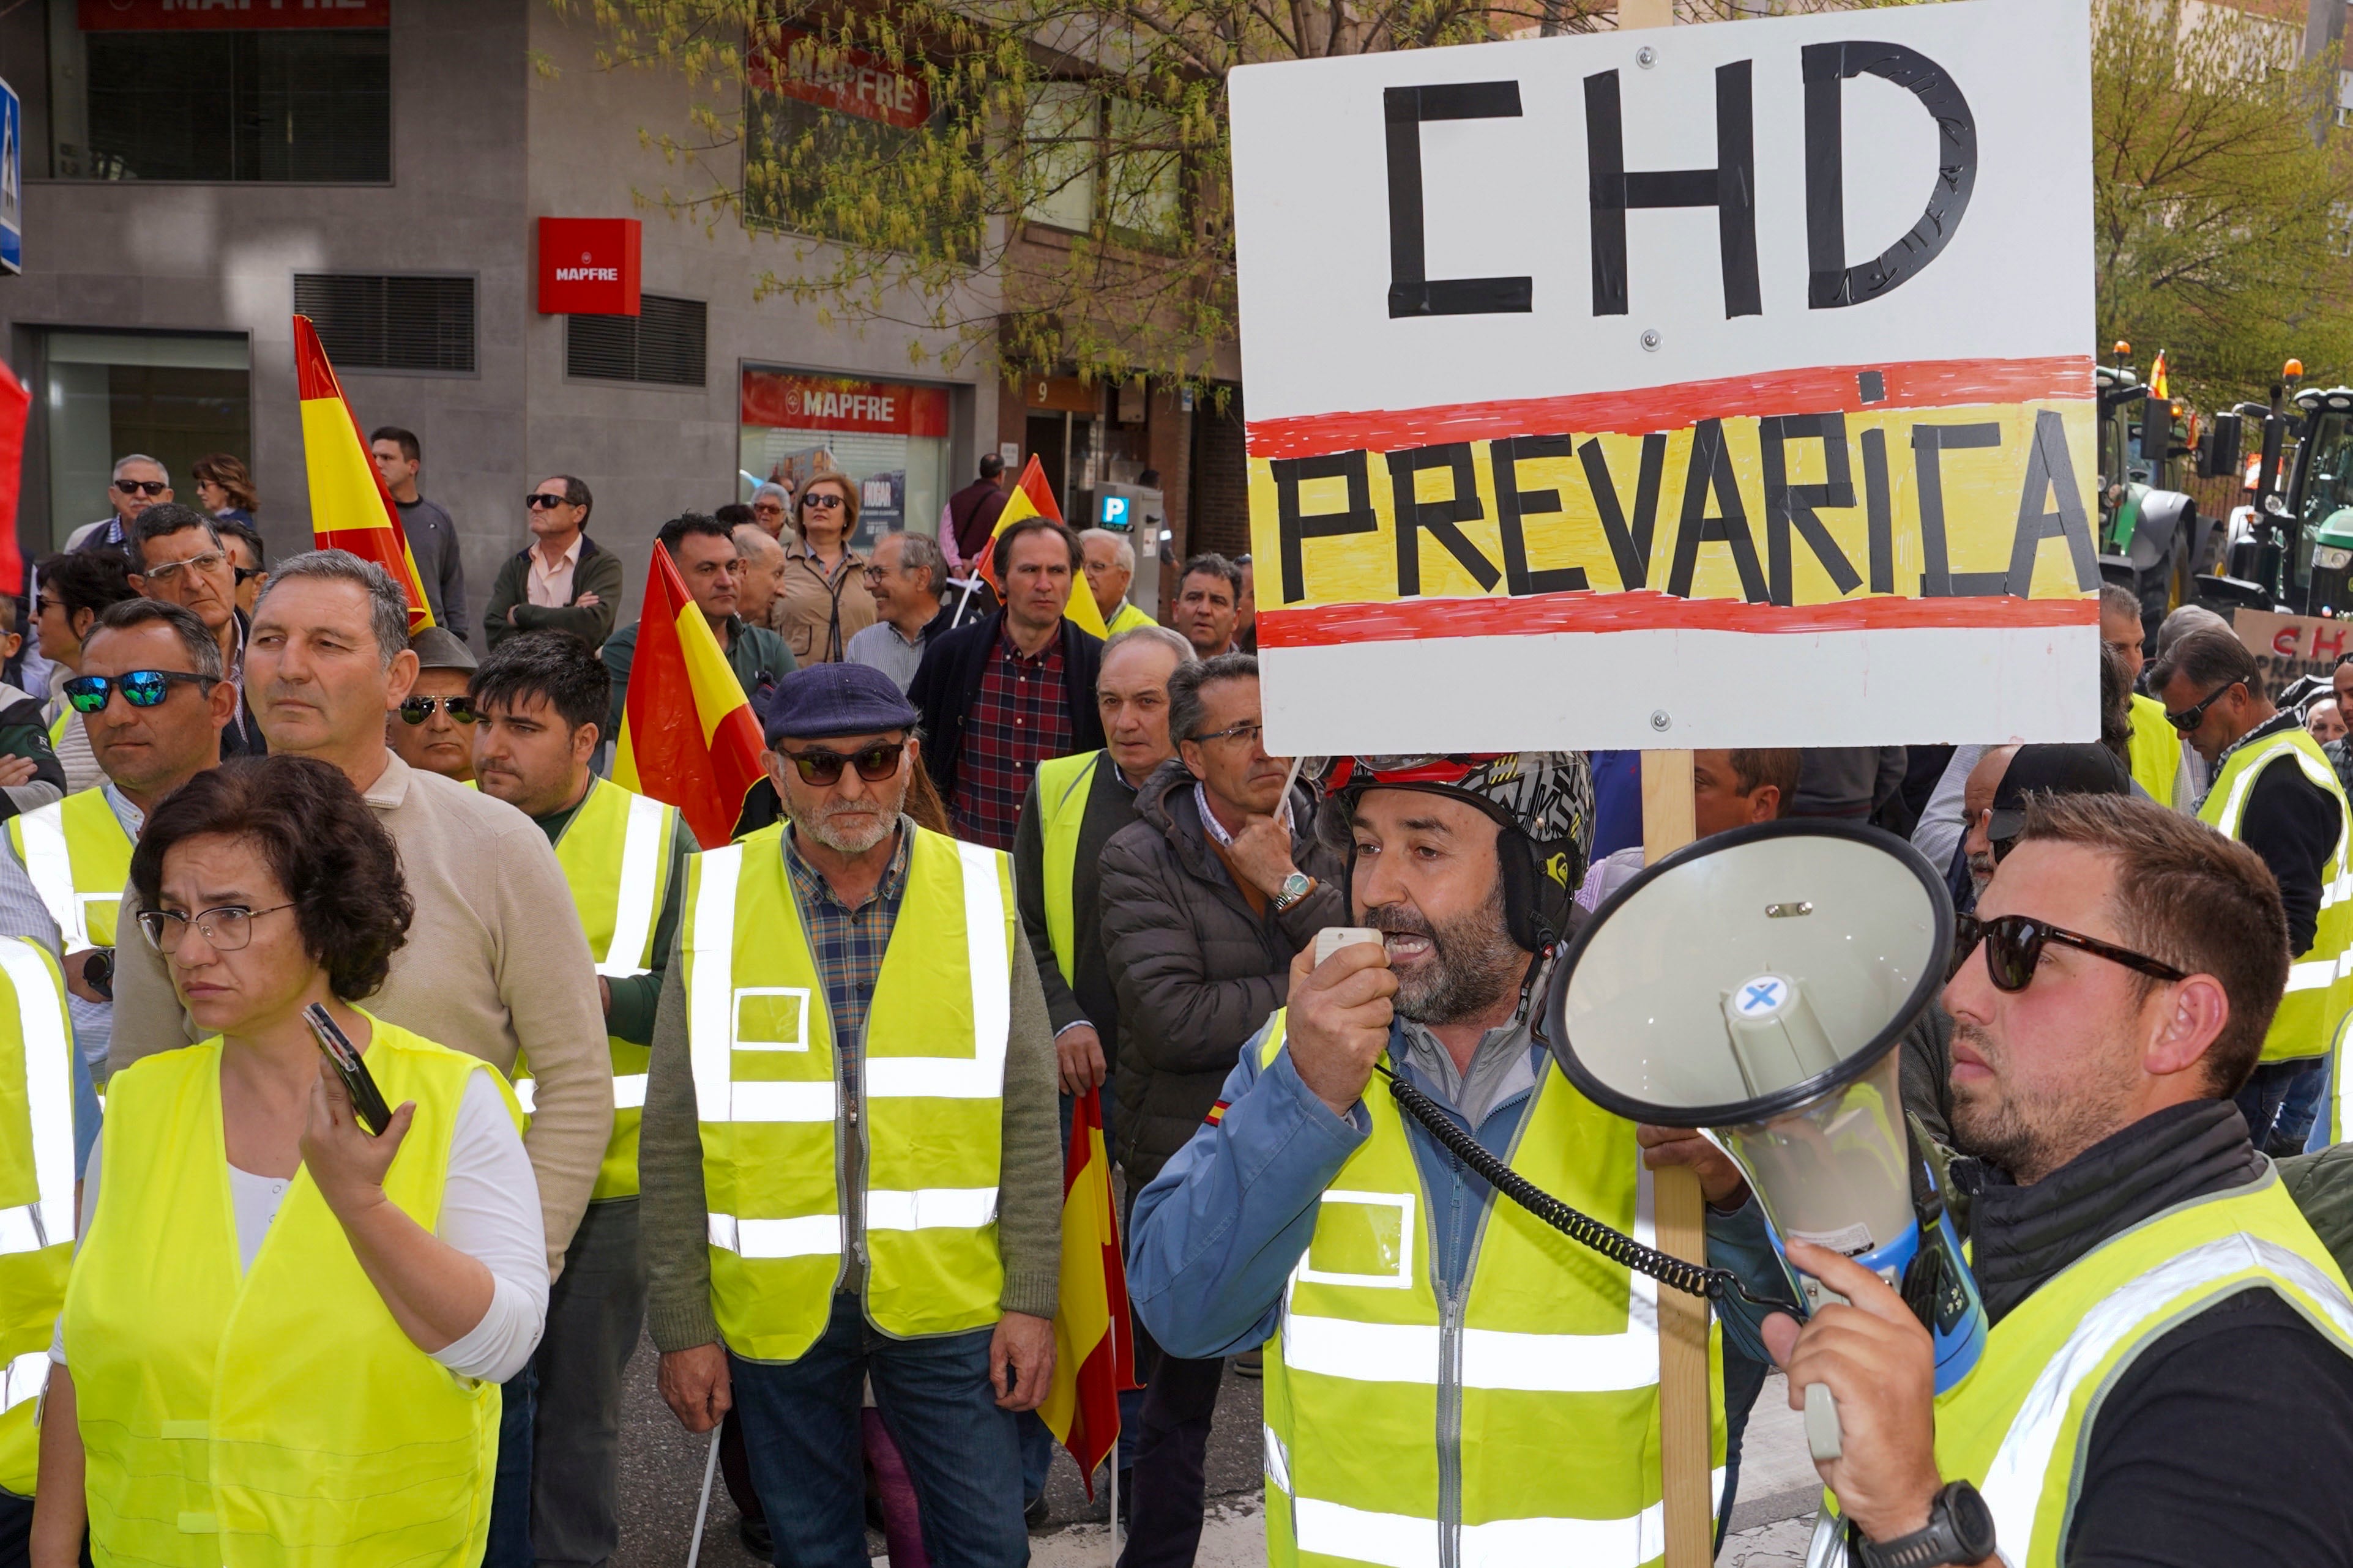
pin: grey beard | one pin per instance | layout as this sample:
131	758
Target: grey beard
821	828
1474	963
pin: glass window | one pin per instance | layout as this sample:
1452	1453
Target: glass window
891	439
1145	169
1061	133
172	397
150	95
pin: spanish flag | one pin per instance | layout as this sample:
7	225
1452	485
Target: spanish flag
2160	389
688	736
1094	1353
1033	497
350	508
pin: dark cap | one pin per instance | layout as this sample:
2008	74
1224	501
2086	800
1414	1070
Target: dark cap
823	700
439	649
2084	769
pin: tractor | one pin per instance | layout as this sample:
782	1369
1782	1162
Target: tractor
2152	540
2291	550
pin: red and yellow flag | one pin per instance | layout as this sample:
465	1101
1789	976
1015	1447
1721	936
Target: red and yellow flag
2160	384
688	736
350	508
1033	497
1094	1353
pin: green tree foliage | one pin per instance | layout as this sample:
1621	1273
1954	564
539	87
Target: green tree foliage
2220	204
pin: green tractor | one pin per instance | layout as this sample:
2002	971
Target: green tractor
2152	540
2291	549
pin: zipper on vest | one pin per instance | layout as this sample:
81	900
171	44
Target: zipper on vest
1451	1302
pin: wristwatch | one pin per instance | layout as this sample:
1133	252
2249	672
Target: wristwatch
1960	1531
1295	887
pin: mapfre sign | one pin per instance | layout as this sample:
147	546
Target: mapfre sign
589	266
1721	385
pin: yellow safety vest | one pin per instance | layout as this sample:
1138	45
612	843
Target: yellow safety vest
2156	750
1127	620
78	858
36	1192
2016	1427
1403	1429
66	716
1063	789
766	1086
276	1417
615	854
2320	980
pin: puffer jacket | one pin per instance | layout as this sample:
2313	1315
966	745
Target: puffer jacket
1197	973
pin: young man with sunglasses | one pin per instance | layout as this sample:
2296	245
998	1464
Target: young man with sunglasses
176	556
433	727
2168	1377
2274	791
147	692
540	699
562	580
855	1000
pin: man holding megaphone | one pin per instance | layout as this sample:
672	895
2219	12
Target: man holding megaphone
1452	1379
2168	1378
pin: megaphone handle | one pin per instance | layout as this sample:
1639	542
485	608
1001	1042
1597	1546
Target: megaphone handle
1822	1435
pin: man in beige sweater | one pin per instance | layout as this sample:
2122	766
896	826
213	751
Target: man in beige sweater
495	960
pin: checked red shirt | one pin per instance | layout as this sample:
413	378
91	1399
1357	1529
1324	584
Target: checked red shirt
1020	718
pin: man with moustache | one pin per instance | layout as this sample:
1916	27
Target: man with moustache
1466	864
433	727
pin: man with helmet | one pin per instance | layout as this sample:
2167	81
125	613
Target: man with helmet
1447	1377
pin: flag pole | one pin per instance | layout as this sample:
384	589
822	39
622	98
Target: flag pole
1115	1501
703	1509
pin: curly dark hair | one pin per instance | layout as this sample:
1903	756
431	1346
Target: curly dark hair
338	864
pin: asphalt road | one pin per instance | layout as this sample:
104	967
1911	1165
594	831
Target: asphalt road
661	1475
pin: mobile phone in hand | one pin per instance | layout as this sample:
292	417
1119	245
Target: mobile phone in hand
367	1100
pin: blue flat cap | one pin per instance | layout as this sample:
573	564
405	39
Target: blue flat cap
824	699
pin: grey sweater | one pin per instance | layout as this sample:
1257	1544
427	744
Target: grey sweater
674	1212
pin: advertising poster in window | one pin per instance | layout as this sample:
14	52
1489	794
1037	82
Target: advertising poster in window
890	439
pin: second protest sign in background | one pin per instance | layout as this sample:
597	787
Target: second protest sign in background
1729	386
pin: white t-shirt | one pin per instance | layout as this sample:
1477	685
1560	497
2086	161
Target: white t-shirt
489	1212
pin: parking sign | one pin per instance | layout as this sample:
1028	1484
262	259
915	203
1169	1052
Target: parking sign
12	180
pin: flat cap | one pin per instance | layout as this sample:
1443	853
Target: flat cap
437	648
2084	768
822	699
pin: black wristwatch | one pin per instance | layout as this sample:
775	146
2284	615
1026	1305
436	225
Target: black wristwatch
1960	1531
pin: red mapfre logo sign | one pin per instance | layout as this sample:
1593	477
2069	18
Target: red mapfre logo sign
784	402
794	64
589	266
151	16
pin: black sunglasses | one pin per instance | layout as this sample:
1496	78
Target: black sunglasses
2189	718
140	688
874	764
824	500
142	487
416	709
538	499
2013	947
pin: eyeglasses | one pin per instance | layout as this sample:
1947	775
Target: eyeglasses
140	688
142	487
208	562
228	927
2013	947
2190	719
416	709
45	603
874	764
768	507
1249	731
824	500
538	499
248	573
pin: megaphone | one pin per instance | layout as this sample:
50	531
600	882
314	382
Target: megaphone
1758	984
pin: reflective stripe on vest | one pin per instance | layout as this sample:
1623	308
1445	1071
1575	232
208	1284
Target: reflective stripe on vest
1372	1380
615	855
1064	790
200	1382
79	860
761	1046
36	1169
2320	980
2018	1425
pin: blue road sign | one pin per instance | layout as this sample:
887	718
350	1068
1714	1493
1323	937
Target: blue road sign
12	180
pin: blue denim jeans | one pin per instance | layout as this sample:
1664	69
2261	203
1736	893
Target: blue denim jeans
2280	1102
509	1545
801	1433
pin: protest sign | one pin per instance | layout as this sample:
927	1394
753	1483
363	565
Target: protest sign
1719	386
2289	647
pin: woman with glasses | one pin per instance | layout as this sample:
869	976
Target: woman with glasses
284	1333
226	489
823	602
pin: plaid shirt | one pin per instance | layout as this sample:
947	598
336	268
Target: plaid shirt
849	945
1019	719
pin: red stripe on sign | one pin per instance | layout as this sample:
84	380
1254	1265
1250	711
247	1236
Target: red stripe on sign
1329	626
1818	389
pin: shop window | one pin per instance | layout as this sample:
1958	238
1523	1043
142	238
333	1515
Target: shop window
396	321
145	91
176	398
890	438
663	345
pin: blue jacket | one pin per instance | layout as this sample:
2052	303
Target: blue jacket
1218	1232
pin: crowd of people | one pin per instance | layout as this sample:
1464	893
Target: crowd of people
798	1104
